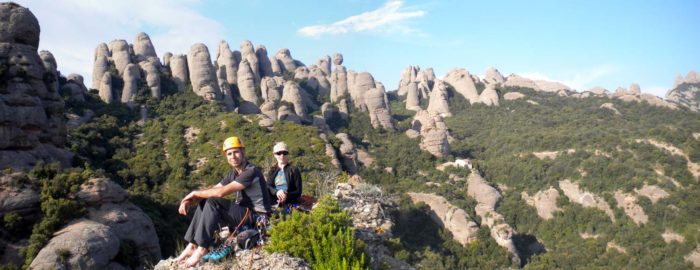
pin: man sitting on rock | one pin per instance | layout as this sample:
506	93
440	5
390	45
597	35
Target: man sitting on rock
214	212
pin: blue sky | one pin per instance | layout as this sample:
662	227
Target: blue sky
580	43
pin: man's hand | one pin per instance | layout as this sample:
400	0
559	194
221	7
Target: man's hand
281	196
189	199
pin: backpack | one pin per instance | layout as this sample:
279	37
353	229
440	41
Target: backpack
248	239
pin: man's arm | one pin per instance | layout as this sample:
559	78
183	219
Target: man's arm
217	191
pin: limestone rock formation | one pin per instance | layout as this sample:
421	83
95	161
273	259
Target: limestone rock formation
292	94
254	259
434	134
412	101
337	59
348	155
514	80
120	54
318	81
226	59
584	198
269	109
339	82
493	77
628	203
75	86
685	91
31	112
90	245
426	77
131	79
438	100
226	92
166	58
287	62
634	89
489	96
363	82
248	53
378	108
487	198
180	71
143	48
105	90
275	66
246	82
301	73
264	61
513	96
324	63
202	73
610	107
51	67
271	88
549	86
408	76
99	68
463	84
454	219
653	192
545	201
284	113
17	196
151	68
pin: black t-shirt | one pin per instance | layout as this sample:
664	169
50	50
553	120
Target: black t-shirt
255	195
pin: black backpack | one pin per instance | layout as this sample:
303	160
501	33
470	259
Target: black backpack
248	239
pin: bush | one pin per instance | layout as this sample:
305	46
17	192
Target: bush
324	238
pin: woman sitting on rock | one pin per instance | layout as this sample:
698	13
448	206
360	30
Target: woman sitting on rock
284	179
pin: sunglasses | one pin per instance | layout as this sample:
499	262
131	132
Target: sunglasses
283	153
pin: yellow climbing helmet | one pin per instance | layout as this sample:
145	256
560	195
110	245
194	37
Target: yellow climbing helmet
232	142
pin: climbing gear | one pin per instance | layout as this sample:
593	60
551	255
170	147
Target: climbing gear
248	239
232	142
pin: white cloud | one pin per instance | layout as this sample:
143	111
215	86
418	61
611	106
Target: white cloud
71	29
581	80
389	18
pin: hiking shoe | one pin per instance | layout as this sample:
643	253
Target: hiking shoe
217	255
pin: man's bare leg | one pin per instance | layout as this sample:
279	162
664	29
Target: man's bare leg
191	247
193	260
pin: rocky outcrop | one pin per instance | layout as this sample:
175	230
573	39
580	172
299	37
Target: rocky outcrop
489	96
99	68
275	65
292	94
513	96
408	76
693	168
264	62
487	198
254	259
685	91
284	113
226	92
433	132
131	79
493	77
628	203
412	100
202	73
269	109
301	73
51	67
339	83
337	59
454	219
438	100
246	82
166	58
17	196
75	87
105	91
611	107
151	68
363	83
366	205
514	80
585	198
317	80
462	82
348	155
271	88
287	62
378	108
120	54
248	53
180	71
31	112
694	257
653	192
143	48
670	236
226	59
545	201
324	63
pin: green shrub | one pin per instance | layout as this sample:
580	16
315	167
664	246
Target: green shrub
324	238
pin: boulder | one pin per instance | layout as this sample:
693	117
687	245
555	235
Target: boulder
86	244
202	73
129	223
412	100
489	96
545	201
284	113
19	25
99	68
292	94
51	67
226	59
269	109
454	219
246	82
348	154
438	100
248	53
166	58
462	82
275	66
98	191
105	90
518	81
318	81
150	69
75	86
180	71
102	50
301	73
120	54
513	96
493	76
271	88
339	83
343	108
143	48
434	134
264	60
337	59
287	62
17	196
378	108
131	79
634	89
